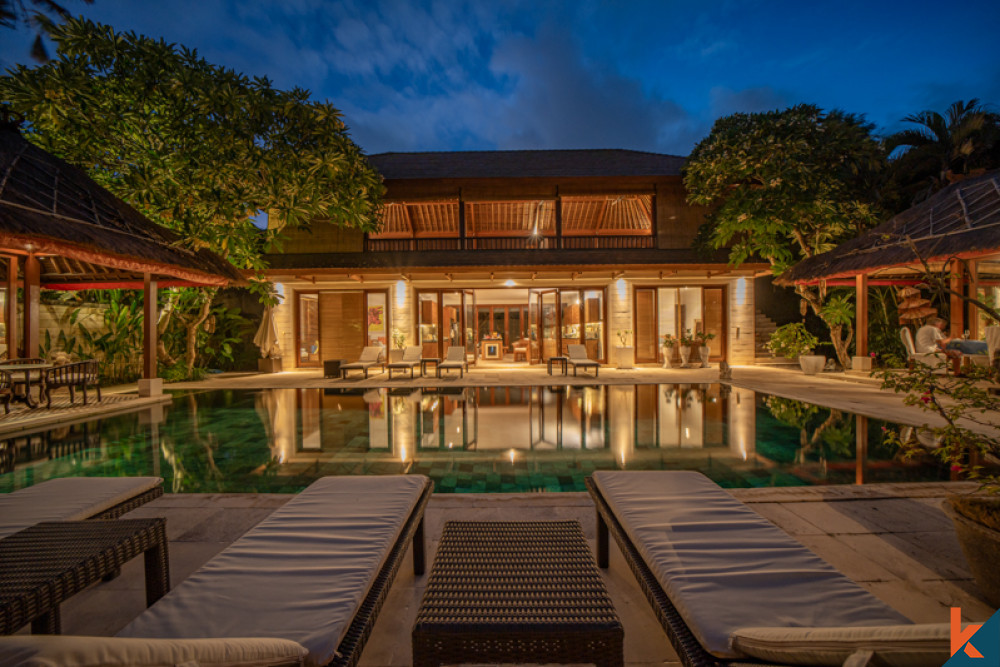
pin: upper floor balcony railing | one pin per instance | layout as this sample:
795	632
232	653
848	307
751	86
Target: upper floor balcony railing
604	242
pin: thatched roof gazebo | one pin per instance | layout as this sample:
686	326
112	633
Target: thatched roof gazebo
957	230
61	230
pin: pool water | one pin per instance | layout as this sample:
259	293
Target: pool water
468	440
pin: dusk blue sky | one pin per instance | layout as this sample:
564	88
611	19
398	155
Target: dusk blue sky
457	75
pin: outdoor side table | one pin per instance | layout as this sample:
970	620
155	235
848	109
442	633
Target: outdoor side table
331	368
516	592
48	563
424	363
26	370
562	361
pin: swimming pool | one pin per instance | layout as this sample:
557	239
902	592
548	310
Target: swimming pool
468	440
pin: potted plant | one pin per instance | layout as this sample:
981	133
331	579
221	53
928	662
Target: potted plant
687	342
626	353
399	342
977	524
668	342
794	340
701	339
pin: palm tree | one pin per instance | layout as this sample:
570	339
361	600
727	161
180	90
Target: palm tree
942	149
15	12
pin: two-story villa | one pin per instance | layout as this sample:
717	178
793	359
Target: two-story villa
515	255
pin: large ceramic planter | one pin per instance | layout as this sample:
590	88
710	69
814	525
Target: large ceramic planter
812	364
981	546
704	351
626	357
685	355
668	352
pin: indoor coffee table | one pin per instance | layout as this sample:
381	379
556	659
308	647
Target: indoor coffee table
46	564
516	591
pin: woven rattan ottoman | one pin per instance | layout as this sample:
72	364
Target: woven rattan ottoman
515	591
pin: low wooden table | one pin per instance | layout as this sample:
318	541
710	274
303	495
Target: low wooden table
44	565
425	362
516	591
562	361
26	371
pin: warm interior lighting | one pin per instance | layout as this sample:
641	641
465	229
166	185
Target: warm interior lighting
509	283
400	293
741	292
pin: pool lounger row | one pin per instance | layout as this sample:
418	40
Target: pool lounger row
302	587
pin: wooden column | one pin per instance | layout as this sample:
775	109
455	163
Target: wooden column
461	222
149	322
861	326
861	448
559	235
32	281
956	309
973	325
10	307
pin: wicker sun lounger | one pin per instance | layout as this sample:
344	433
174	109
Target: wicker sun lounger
576	356
371	356
315	572
410	360
729	587
74	499
455	359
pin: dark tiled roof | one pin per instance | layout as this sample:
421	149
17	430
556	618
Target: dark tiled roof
541	258
526	164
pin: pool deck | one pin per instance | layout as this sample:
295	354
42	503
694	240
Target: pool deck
892	539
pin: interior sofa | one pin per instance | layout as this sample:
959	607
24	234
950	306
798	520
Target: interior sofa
729	587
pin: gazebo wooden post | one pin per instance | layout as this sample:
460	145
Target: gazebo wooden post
149	385
973	325
860	448
861	361
32	282
10	307
956	309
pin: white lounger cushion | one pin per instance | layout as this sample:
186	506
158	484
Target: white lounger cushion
898	645
724	566
70	651
300	574
67	499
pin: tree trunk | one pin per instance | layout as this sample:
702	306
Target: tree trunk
191	337
840	341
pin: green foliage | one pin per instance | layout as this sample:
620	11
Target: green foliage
668	341
883	326
399	339
784	185
228	342
940	149
963	407
194	146
838	309
686	339
179	372
702	337
118	344
792	340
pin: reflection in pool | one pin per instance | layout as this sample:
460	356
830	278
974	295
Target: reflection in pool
469	440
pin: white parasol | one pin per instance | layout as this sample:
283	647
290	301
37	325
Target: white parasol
267	336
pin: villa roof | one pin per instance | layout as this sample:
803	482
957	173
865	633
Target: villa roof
526	164
83	235
961	221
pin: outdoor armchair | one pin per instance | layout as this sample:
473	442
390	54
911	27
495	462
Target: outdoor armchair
370	356
81	374
410	360
576	356
932	359
6	390
454	359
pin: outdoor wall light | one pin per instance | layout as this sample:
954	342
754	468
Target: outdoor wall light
400	293
509	283
741	292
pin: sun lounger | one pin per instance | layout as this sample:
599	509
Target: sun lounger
75	499
728	585
576	356
455	359
370	356
410	360
315	572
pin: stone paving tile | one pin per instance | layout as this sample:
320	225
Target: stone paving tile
898	516
227	525
787	520
974	608
832	518
875	549
913	603
845	559
939	551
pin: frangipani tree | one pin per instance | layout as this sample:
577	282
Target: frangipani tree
785	185
197	147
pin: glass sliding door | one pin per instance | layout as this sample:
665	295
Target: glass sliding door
534	335
646	321
593	324
548	317
377	319
571	320
667	300
688	310
714	310
308	330
427	307
451	321
471	348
